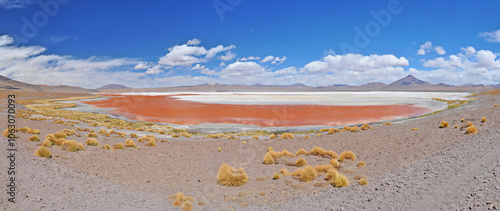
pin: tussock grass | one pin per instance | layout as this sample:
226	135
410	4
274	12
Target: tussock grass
129	143
300	162
119	146
324	129
331	154
484	119
51	138
469	124
347	155
255	137
335	163
301	152
92	135
185	134
306	174
387	123
287	136
462	120
286	153
323	168
496	105
284	172
34	138
106	147
243	142
346	128
331	174
276	176
318	151
270	149
360	176
151	143
363	182
227	176
415	128
444	124
80	146
43	152
47	144
306	137
23	129
355	129
70	146
187	206
366	127
219	149
270	156
272	136
361	164
6	132
339	180
471	130
456	126
103	131
60	135
333	130
91	142
179	199
133	135
217	135
60	141
34	131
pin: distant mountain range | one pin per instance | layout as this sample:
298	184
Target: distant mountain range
408	83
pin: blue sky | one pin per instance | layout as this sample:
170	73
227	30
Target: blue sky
92	43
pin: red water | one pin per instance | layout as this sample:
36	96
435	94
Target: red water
166	109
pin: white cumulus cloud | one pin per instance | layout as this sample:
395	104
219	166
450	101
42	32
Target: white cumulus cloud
493	36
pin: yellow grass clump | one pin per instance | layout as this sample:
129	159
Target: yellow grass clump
366	127
496	105
180	199
471	130
334	162
286	153
276	176
270	156
106	146
415	128
324	129
270	149
227	176
218	135
361	164
43	152
318	151
59	141
469	124
331	154
255	137
34	131
187	206
23	129
301	152
287	136
300	162
355	129
91	142
306	174
133	135
483	119
47	144
219	149
152	143
387	123
323	168
103	131
70	146
129	143
363	182
347	155
118	146
185	134
360	176
80	146
456	126
333	130
272	136
284	172
243	142
331	174
60	135
339	180
346	128
462	120
6	132
92	135
444	124
34	138
306	137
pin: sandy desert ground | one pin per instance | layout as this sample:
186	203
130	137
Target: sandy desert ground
430	168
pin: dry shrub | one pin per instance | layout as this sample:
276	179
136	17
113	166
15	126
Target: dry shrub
287	136
317	151
496	105
152	143
34	131
47	144
483	119
462	120
270	149
366	127
323	168
227	176
6	132
416	128
118	146
301	152
92	135
187	206
334	162
179	199
255	137
324	129
339	180
331	154
80	146
346	128
162	132
272	136
387	123
24	129
355	129
60	135
331	174
91	142
243	142
471	130
306	174
286	153
469	124
70	146
284	172
270	156
34	138
129	143
306	137
106	146
43	152
219	149
444	124
103	131
456	126
347	155
363	182
300	162
185	134
217	135
276	176
360	176
59	141
361	164
333	130
133	135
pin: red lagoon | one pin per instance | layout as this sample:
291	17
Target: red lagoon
166	109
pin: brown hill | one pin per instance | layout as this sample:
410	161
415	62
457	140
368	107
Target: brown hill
7	84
